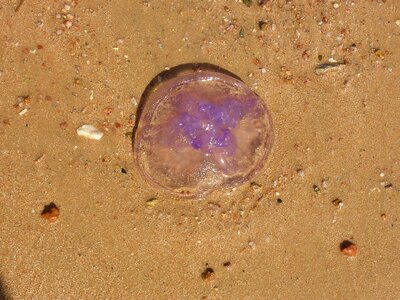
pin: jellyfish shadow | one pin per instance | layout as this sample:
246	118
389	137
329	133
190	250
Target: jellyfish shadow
168	74
3	291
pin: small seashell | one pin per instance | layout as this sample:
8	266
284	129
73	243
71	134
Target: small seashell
90	132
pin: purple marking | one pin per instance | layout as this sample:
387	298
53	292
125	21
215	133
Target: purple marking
208	126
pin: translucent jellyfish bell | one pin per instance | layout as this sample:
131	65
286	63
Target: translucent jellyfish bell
199	130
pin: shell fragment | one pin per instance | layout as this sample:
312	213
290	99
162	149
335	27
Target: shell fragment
89	132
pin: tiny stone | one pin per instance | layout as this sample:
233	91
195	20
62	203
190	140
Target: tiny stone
252	245
338	203
279	201
256	187
208	274
227	264
151	202
384	217
50	212
316	188
39	23
68	24
262	24
19	102
63	125
348	248
23	112
336	5
398	22
325	183
27	101
134	101
382	174
90	132
108	110
241	33
380	53
39	158
388	185
300	172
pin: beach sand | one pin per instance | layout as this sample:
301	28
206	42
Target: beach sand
333	173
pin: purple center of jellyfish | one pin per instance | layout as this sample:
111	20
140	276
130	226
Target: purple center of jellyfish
208	126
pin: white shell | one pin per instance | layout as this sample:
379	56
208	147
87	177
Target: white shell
90	132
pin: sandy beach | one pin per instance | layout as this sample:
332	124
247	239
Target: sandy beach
329	73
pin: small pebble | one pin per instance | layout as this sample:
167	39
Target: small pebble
252	245
256	187
152	202
23	112
208	274
300	172
348	248
379	53
50	212
108	110
338	203
316	188
134	102
39	158
324	183
63	125
388	185
398	22
90	132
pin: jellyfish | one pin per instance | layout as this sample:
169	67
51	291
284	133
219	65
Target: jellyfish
199	131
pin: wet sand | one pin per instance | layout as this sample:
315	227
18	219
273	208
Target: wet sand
333	173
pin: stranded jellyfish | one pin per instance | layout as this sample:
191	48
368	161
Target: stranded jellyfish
201	130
